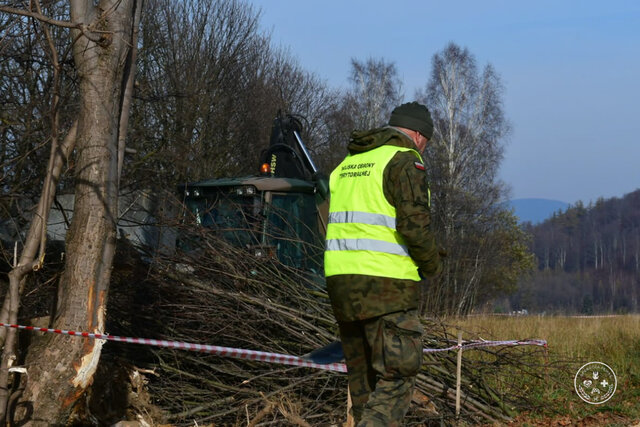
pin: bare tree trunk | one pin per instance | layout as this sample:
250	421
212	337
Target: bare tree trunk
28	261
61	368
129	74
36	237
637	251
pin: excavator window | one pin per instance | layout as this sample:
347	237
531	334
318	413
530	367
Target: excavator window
292	230
235	217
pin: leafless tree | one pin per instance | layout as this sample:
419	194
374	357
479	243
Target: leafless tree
462	161
59	371
28	87
375	91
338	125
192	71
208	88
587	259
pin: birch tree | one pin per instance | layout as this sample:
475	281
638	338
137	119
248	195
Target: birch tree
463	159
375	91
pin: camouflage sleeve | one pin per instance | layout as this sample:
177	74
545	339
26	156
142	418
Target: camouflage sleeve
406	188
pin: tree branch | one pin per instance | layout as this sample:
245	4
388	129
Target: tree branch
84	29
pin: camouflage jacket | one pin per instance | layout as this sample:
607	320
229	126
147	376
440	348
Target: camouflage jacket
357	297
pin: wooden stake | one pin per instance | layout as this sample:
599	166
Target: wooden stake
350	421
546	366
458	374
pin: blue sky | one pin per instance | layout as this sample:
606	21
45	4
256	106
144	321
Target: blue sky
571	72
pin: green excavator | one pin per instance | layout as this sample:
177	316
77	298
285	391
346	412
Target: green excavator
279	212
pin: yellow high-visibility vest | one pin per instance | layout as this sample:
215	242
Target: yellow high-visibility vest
361	233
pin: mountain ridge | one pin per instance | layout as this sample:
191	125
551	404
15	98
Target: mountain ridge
536	210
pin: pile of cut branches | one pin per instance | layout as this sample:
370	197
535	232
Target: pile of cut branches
222	295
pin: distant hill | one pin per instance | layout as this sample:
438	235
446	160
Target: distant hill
536	210
588	260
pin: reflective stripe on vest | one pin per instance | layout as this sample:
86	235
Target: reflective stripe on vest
367	245
361	234
363	218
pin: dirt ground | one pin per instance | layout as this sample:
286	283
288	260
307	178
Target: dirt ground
596	420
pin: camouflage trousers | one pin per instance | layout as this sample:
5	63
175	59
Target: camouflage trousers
383	356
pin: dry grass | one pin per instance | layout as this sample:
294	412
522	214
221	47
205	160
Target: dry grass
573	341
613	340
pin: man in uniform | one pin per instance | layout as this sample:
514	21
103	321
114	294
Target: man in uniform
379	245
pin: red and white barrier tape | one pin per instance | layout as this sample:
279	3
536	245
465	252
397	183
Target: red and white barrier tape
260	356
478	344
236	353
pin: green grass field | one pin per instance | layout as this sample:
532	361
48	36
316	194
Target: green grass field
572	342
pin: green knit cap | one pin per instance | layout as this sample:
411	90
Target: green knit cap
414	116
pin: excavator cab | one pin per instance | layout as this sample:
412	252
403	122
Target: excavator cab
280	213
